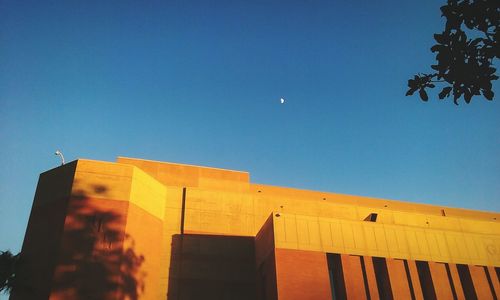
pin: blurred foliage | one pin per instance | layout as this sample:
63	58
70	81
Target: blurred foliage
8	263
465	52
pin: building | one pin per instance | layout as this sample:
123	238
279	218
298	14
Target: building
139	229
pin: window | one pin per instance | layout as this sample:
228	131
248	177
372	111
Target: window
337	283
371	217
466	280
424	274
382	275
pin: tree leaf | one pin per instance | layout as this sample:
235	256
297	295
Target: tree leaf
412	83
435	67
475	41
439	38
488	94
456	95
411	91
445	92
423	95
464	51
436	48
467	96
469	24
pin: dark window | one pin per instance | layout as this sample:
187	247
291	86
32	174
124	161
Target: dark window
424	274
371	217
382	275
466	281
337	283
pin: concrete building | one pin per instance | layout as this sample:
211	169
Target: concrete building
139	229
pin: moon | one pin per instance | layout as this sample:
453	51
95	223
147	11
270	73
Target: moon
282	100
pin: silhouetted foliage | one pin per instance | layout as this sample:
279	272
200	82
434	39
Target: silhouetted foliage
95	259
465	52
95	262
8	263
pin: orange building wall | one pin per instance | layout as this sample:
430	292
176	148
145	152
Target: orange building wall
134	205
396	286
90	251
494	280
441	282
156	230
43	235
108	241
412	268
353	277
456	282
481	285
372	281
143	251
265	262
398	279
302	275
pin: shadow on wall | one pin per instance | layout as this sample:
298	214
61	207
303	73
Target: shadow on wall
212	267
76	247
97	259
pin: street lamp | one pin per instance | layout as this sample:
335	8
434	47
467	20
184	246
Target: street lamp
59	153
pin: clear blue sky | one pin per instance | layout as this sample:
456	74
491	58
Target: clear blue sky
199	82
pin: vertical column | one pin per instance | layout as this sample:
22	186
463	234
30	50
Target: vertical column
442	285
302	275
480	281
353	276
495	281
417	287
454	279
370	276
266	285
399	281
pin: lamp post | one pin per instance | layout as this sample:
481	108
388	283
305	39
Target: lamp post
59	153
